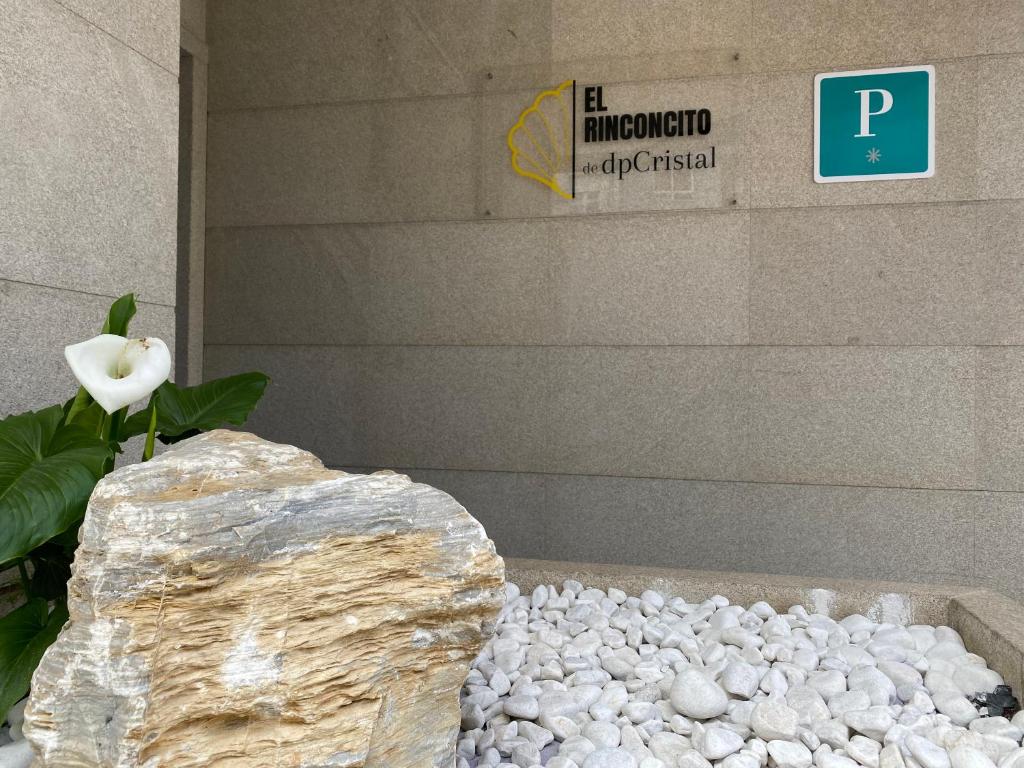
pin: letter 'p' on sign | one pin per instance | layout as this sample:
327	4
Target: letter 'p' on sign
874	124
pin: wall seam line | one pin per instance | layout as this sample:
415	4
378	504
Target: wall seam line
112	36
575	217
79	291
659	478
349	345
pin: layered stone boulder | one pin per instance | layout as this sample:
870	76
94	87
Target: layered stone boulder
235	604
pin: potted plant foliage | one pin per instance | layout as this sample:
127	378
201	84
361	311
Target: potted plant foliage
51	459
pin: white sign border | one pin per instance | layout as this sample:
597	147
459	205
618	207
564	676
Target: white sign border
925	174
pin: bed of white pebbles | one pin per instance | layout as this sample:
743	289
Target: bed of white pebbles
582	678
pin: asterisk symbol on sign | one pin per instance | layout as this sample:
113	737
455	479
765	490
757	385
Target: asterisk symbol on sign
874	155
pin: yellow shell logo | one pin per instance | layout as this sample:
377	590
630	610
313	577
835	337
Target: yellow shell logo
541	140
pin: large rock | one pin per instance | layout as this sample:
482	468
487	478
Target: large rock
235	604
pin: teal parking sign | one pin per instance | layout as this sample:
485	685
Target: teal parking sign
874	124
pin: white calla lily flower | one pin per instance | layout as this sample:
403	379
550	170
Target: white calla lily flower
117	371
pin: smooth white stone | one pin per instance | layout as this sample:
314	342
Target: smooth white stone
955	706
555	703
692	759
832	760
694	695
16	755
864	750
472	717
891	757
499	682
848	701
585	695
873	722
610	758
808	703
739	712
538	736
926	753
633	742
872	680
561	762
835	733
561	727
669	746
576	748
997	725
773	720
716	743
900	674
603	735
774	681
827	682
963	756
855	622
654	598
945	650
808	738
522	707
740	679
640	711
617	667
539	597
525	755
742	759
789	754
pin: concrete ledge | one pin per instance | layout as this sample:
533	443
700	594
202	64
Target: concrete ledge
992	625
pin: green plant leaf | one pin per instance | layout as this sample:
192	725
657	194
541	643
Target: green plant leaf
25	634
47	472
87	415
184	410
121	313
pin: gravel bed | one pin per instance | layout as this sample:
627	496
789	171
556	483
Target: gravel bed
582	678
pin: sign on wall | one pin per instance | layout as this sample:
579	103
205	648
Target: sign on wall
874	125
565	139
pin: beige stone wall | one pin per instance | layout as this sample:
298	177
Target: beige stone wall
88	170
741	370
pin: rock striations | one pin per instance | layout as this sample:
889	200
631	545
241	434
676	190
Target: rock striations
235	604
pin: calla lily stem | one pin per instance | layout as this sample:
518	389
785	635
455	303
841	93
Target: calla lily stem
147	452
24	578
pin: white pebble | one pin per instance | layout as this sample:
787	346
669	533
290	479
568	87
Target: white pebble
789	754
16	755
741	679
609	758
926	753
963	756
694	695
774	720
716	743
